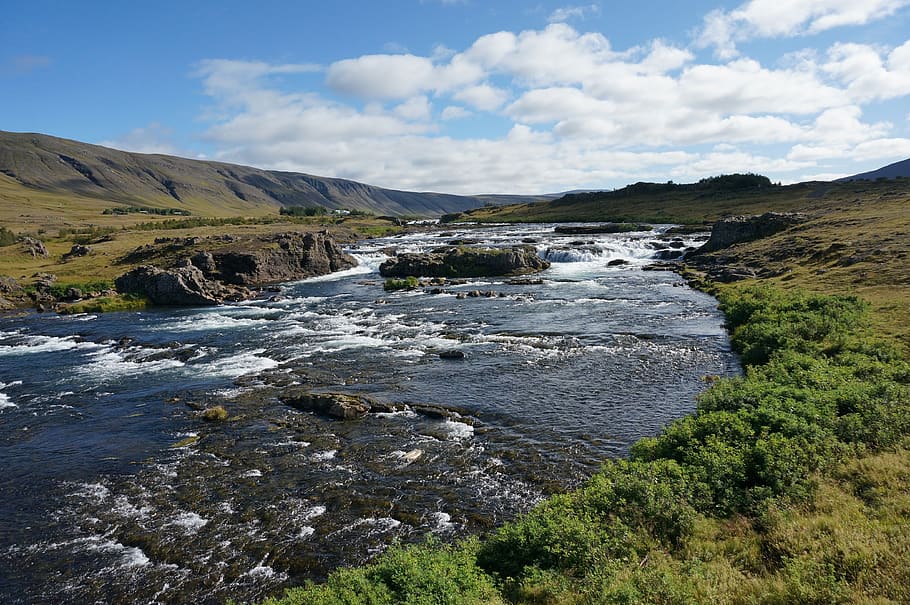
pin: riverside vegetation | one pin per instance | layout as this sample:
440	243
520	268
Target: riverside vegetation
787	485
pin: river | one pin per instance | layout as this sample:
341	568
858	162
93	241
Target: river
114	490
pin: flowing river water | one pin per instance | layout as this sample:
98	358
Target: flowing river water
114	490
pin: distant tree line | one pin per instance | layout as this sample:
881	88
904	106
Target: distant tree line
303	210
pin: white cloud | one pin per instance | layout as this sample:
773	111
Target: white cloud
153	138
577	112
867	75
573	12
483	97
382	76
454	112
415	109
773	18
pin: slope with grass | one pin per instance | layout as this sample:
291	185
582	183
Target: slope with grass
40	166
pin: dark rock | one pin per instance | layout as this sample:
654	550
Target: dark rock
454	261
9	285
296	256
452	354
181	286
738	229
72	294
668	254
335	405
76	251
44	281
617	262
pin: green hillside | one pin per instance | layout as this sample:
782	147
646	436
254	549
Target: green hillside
36	165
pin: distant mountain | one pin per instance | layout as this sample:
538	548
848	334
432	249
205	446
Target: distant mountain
891	171
62	166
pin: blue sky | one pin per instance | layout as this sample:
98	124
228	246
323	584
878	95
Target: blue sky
466	96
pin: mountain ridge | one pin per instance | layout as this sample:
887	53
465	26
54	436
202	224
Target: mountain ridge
64	166
891	171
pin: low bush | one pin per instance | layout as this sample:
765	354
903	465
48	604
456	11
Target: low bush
408	283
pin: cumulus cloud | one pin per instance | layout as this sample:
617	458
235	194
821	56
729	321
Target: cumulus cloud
564	109
722	30
483	97
867	74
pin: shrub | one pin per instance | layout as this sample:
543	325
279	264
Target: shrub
7	237
408	283
416	575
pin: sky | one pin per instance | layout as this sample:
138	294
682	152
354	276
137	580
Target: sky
472	96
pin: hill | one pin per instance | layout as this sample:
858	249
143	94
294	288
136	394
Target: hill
705	201
891	171
84	175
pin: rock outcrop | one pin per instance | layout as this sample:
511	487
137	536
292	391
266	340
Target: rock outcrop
736	229
34	247
10	293
185	285
216	270
270	260
460	261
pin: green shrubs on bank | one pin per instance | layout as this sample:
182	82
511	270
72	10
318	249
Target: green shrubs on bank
106	304
393	284
779	488
431	573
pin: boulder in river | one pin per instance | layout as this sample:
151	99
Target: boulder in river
336	405
462	261
274	259
184	285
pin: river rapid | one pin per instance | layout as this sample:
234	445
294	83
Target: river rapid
114	490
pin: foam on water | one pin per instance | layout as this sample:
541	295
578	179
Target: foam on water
129	556
443	521
458	431
237	365
44	344
5	400
106	365
213	321
191	522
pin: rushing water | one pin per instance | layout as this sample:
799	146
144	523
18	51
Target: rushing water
113	489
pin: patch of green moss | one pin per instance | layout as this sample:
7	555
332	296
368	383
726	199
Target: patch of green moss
106	304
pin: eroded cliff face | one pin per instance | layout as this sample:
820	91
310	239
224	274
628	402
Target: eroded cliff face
270	260
736	229
216	270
